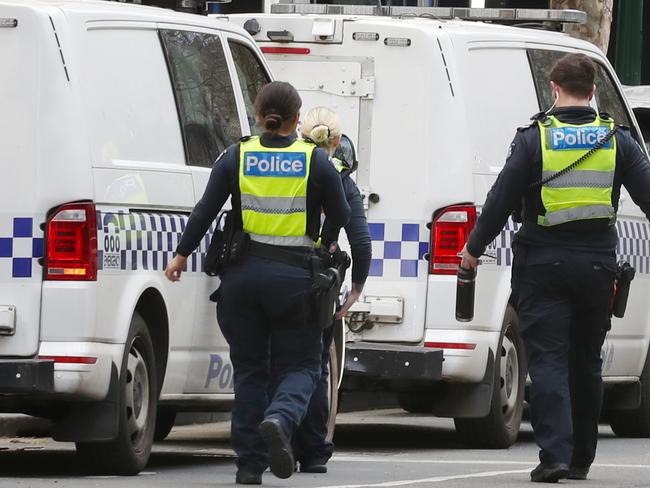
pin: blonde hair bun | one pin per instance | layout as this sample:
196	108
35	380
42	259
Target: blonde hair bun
320	134
322	125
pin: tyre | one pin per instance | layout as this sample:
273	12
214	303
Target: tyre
499	429
129	452
333	390
635	423
165	419
416	402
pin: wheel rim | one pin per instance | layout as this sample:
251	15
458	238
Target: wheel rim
509	375
137	393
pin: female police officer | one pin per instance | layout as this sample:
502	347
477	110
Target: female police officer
323	126
278	185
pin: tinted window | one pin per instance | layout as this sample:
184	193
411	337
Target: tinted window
608	99
204	94
252	77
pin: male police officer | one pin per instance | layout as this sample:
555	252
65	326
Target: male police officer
565	258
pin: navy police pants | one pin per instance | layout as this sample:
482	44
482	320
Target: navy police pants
265	312
564	298
310	442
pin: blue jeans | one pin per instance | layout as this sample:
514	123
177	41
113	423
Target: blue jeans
310	443
265	311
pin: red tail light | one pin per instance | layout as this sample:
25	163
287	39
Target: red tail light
71	243
449	232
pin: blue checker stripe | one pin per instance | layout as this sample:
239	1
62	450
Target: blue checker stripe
633	244
398	249
149	240
22	248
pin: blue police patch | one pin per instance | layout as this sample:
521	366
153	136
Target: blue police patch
567	138
277	164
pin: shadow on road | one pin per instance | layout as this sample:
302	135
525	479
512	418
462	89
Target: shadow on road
50	463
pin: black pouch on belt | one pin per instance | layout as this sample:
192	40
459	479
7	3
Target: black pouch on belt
227	245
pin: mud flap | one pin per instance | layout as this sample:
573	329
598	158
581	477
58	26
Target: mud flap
91	421
467	400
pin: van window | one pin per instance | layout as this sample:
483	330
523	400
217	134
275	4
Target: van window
128	104
608	98
204	94
252	77
492	117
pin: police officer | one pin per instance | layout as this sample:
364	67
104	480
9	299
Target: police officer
265	303
323	126
564	258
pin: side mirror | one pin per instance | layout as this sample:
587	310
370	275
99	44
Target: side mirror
347	153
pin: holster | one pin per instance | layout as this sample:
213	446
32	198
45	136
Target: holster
328	272
624	276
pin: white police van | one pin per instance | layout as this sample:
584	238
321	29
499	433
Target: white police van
111	117
432	101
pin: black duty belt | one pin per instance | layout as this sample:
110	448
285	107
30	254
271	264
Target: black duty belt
298	258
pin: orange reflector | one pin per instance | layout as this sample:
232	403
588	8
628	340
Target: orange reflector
69	359
286	50
451	345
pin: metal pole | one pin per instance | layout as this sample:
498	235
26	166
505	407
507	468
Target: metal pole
629	41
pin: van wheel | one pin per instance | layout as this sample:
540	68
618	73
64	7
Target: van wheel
165	419
499	429
129	452
416	402
635	423
333	383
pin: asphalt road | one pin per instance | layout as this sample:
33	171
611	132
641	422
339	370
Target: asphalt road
383	448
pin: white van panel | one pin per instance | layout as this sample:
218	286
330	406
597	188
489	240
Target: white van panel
21	239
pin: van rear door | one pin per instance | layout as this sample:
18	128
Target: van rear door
22	37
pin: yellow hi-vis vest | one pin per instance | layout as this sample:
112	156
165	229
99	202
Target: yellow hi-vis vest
273	186
585	192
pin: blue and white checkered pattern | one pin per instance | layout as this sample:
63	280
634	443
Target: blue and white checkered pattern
634	244
148	240
20	246
398	249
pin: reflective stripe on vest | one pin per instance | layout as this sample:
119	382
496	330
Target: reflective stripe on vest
273	186
586	191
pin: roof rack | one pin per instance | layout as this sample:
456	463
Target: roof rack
497	15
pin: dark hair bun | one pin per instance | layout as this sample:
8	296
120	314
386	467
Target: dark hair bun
276	103
272	122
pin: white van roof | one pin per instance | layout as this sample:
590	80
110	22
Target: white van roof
104	10
483	31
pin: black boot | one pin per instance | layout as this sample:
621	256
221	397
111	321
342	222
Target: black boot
280	452
549	473
578	473
248	478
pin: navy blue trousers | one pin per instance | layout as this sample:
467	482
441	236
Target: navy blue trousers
564	300
265	312
310	442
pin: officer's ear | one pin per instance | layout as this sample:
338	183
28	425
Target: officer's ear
555	91
593	93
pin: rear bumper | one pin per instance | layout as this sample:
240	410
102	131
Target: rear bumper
383	361
26	377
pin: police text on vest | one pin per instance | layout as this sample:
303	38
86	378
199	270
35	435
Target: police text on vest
564	138
275	164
